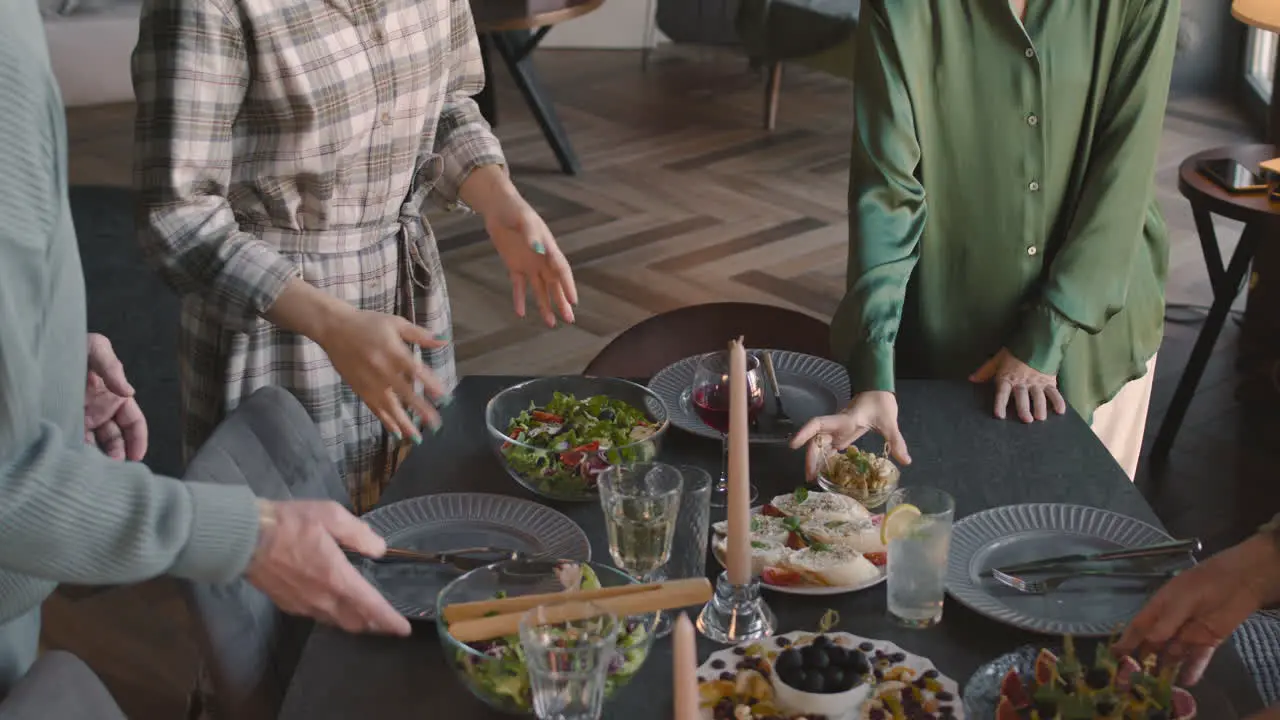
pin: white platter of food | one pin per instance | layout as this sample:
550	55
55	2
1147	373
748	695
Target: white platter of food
832	675
812	543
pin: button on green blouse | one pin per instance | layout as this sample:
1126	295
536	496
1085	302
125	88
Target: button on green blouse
1002	191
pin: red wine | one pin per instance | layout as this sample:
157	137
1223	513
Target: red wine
711	403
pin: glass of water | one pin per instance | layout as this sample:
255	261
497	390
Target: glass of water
568	661
918	554
641	503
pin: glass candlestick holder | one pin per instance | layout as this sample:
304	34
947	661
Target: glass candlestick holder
736	613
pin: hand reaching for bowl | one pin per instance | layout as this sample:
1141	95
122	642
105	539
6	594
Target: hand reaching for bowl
872	410
300	565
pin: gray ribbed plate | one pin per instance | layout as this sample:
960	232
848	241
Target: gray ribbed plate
811	387
449	521
1087	607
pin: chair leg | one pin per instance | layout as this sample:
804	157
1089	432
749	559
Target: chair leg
772	87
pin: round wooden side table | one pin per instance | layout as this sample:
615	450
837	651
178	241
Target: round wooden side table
513	29
1261	218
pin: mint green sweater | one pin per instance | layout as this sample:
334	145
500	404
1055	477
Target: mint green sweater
67	512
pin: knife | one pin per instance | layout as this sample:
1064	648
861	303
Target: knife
464	559
1173	547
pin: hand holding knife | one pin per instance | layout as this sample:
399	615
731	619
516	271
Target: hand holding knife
1167	549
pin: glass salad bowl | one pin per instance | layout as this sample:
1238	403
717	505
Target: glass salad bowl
556	435
494	670
864	476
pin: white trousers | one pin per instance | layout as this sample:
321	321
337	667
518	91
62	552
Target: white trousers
1121	423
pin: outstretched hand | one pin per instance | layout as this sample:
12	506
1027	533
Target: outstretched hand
1032	391
873	410
533	259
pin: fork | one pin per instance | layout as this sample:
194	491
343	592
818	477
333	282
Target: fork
1048	585
782	423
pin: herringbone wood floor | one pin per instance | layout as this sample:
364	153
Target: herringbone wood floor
683	199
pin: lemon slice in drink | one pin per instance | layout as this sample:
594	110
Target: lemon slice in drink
898	522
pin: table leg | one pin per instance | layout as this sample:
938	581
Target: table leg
487	99
515	48
1209	246
1224	294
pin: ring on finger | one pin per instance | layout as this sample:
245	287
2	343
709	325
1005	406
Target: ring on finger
539	248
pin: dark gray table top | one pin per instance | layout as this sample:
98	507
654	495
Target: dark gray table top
955	444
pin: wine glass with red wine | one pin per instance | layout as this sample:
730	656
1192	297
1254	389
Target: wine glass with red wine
710	400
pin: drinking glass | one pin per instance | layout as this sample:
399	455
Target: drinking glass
710	400
641	503
568	662
693	526
918	557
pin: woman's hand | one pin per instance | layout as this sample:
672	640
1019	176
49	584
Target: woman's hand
873	410
1199	609
113	422
1032	391
370	350
533	259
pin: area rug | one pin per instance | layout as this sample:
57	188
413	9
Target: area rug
129	304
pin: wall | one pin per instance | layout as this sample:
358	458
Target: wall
1210	50
1210	41
616	25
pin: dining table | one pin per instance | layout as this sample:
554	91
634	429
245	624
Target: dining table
956	445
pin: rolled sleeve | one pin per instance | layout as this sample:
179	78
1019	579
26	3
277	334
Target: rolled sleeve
224	533
1043	342
871	367
463	137
190	75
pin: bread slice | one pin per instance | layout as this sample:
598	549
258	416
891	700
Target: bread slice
821	506
835	566
861	535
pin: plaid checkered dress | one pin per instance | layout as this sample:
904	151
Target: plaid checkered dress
300	138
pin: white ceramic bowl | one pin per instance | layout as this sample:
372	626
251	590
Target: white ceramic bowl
835	706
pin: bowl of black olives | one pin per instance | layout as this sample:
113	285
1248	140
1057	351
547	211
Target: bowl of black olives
823	675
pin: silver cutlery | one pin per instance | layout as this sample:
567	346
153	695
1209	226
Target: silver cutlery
1168	549
781	422
463	559
1048	585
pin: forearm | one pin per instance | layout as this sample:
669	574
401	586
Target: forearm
307	310
70	514
486	188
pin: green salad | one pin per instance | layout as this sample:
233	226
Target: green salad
501	673
567	443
